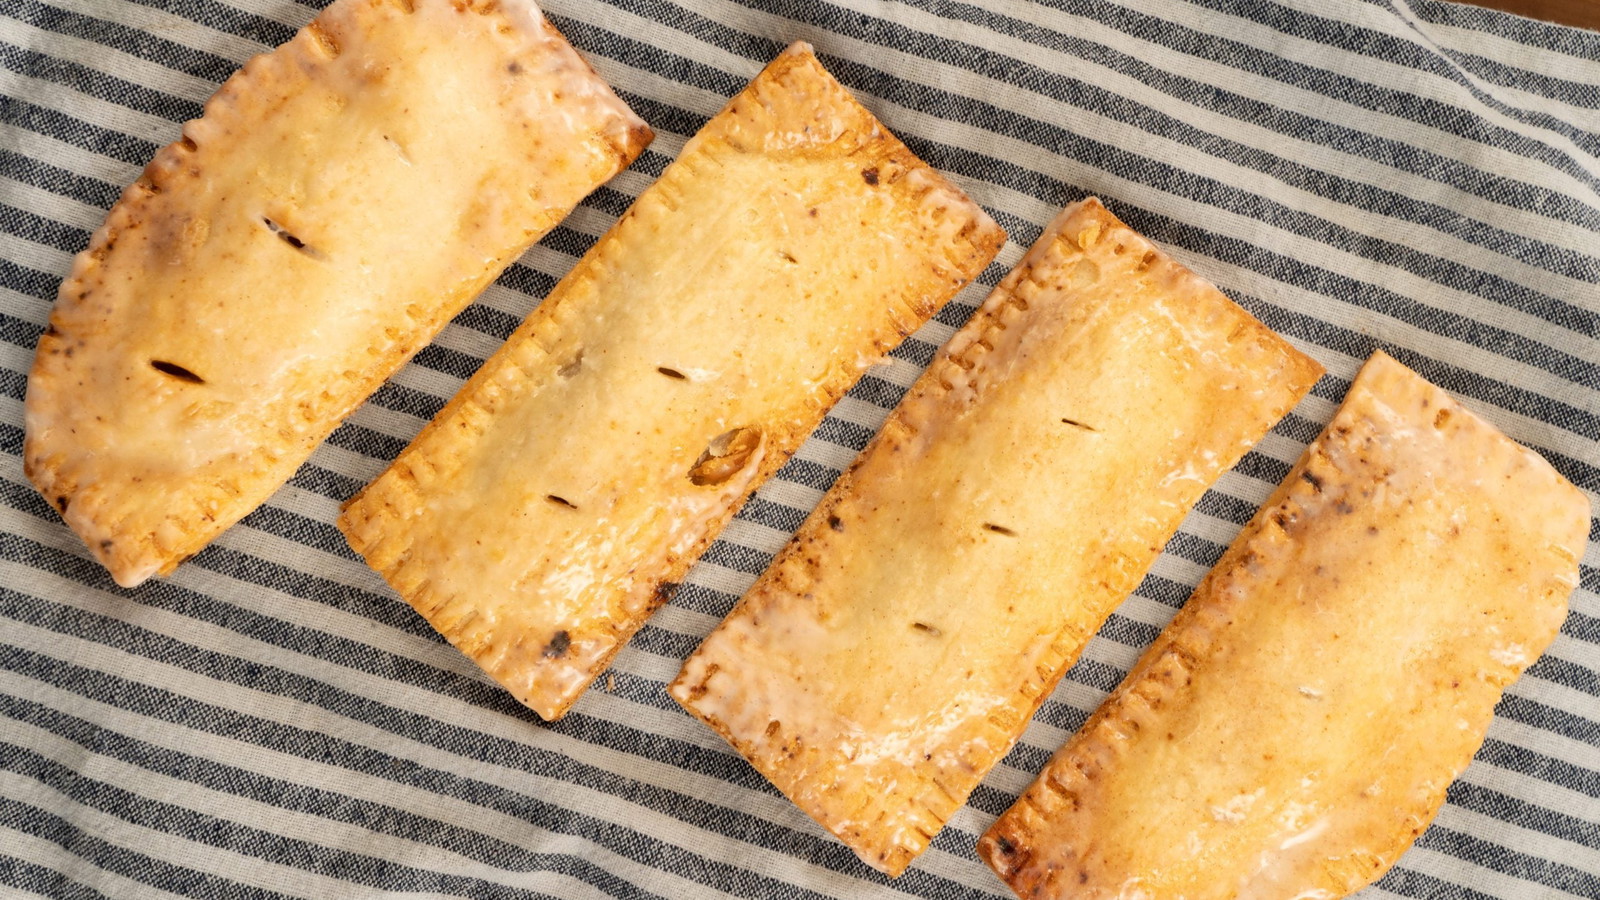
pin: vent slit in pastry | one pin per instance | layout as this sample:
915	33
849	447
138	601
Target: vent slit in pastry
176	371
398	149
1297	724
763	257
307	235
291	239
1004	538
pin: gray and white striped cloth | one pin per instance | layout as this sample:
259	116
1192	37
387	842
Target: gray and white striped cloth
272	722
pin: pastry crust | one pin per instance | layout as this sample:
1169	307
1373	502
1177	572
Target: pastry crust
564	492
898	646
341	199
1295	728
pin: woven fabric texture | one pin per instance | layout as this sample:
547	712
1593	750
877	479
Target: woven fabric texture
1409	175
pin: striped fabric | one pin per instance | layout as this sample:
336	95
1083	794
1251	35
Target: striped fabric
272	722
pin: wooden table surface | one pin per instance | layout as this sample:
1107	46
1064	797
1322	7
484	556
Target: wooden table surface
1583	13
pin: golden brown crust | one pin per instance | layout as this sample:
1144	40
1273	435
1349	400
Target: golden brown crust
332	209
897	647
1296	726
562	494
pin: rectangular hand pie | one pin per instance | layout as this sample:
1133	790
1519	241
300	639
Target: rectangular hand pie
342	198
1295	727
559	498
898	646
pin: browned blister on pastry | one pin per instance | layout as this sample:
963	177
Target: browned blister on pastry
566	489
342	198
1295	728
897	648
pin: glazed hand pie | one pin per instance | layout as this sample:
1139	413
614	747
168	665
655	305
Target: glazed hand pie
342	198
563	493
1295	727
897	647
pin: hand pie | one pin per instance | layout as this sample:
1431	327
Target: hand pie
896	649
342	198
1295	727
563	493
